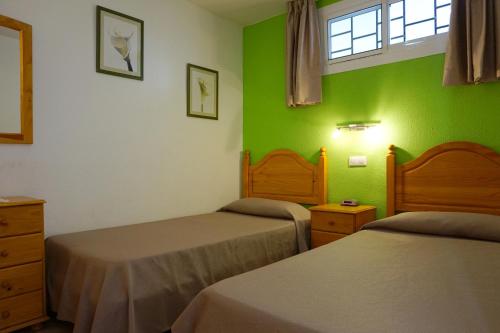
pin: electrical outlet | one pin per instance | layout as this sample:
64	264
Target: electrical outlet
358	161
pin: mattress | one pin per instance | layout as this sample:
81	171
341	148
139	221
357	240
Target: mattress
377	280
139	278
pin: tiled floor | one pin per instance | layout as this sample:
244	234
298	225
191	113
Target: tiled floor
52	326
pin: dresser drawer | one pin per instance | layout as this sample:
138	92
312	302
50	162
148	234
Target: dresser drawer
333	222
21	279
319	238
20	249
20	309
21	220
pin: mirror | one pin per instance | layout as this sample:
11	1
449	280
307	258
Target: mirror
16	125
10	81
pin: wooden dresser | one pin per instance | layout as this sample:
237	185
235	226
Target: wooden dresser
332	222
22	285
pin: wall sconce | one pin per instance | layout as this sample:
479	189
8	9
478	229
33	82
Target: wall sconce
354	126
358	126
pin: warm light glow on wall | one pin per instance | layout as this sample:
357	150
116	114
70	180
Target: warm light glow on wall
337	133
375	134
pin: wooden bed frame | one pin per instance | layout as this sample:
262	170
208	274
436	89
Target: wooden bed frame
285	175
454	176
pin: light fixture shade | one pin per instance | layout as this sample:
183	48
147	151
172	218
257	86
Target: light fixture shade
357	126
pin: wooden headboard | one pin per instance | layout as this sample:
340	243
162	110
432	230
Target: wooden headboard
454	176
285	175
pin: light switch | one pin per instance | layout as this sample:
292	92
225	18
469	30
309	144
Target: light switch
357	161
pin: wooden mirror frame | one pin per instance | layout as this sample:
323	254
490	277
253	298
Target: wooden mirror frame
26	89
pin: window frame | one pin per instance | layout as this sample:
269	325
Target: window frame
355	55
405	25
389	53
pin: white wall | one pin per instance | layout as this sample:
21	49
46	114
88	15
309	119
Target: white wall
111	151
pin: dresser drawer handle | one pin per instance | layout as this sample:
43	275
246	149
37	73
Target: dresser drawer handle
3	223
5	314
4	254
331	223
6	285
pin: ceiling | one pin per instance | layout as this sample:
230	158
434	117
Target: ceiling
245	12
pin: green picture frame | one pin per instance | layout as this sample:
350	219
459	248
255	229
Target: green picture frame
202	92
119	44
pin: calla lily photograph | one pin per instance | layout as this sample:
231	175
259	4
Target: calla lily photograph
202	92
120	40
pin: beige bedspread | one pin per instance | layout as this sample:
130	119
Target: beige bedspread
372	281
139	278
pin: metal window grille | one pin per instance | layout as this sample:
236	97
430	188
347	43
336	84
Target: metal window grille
398	20
344	37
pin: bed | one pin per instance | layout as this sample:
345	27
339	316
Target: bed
433	265
139	278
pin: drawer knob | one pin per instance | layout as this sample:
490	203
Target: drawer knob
5	314
3	223
6	285
331	223
4	254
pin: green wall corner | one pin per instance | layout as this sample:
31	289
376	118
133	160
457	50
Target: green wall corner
416	112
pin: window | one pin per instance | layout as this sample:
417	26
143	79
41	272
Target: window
414	19
355	33
363	33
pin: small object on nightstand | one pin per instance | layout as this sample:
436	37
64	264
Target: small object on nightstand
352	203
332	222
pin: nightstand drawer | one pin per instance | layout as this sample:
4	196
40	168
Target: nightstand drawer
21	220
333	222
20	249
21	279
20	309
319	238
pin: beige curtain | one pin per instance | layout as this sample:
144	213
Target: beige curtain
303	54
473	54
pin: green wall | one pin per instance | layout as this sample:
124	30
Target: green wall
416	112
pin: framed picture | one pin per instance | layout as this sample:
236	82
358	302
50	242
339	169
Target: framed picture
120	44
202	92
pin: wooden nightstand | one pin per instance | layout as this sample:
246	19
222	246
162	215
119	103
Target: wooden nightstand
22	284
331	222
